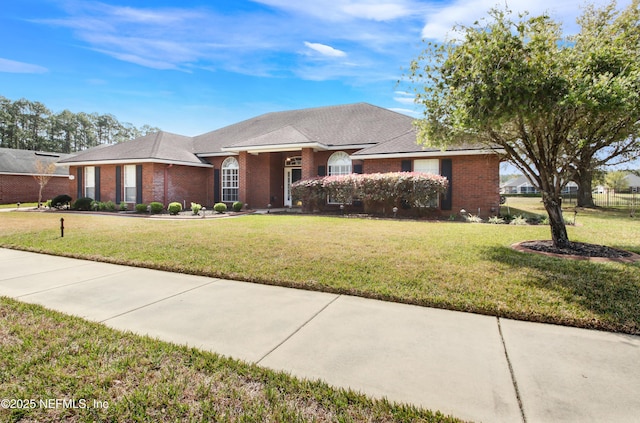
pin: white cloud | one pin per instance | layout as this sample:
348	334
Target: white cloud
12	66
325	50
338	10
441	21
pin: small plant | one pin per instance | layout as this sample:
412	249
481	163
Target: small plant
48	204
83	203
195	208
237	206
545	221
496	220
156	207
61	201
141	208
220	207
471	218
123	206
109	206
174	208
519	221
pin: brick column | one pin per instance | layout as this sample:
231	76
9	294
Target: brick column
308	164
244	175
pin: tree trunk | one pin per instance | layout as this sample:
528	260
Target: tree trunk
585	196
553	205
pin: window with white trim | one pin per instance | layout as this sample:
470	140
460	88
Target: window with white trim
230	180
90	181
130	183
431	166
339	164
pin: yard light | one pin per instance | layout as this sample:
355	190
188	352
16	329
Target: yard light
342	209
269	208
395	211
204	211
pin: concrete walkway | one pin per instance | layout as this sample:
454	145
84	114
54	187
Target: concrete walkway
477	368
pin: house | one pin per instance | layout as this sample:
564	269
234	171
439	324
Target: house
257	160
521	185
18	169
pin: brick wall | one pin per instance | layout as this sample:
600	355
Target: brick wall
475	181
183	184
24	188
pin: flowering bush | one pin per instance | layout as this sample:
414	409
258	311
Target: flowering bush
414	189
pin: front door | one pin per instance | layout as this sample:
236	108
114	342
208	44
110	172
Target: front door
291	175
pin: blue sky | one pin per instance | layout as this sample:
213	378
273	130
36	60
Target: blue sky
192	66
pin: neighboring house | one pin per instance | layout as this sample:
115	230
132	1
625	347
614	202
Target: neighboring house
633	181
257	160
17	171
521	185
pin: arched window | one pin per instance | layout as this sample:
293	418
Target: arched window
339	164
230	184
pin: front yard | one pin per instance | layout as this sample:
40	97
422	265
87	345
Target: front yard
453	265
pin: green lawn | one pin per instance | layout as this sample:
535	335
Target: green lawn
108	376
453	265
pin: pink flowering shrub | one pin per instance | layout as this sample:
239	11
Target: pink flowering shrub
377	191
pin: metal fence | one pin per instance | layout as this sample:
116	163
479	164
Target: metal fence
617	199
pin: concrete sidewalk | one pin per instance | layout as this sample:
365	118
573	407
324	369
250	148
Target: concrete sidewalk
477	368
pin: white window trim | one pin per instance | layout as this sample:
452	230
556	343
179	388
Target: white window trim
230	180
90	181
129	185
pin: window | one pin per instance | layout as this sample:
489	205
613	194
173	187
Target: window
339	164
431	166
90	182
230	184
427	166
130	183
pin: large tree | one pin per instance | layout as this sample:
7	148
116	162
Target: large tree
607	47
518	85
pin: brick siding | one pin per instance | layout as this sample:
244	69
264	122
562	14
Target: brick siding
25	188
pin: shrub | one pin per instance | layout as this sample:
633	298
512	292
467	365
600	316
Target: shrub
109	206
519	221
237	206
220	207
60	201
124	206
195	208
141	208
156	207
174	208
410	189
472	218
496	220
83	203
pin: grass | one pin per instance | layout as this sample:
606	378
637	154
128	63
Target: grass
108	376
451	265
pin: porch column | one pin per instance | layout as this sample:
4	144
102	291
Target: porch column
244	177
308	164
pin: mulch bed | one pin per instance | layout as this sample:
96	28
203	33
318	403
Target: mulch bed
577	251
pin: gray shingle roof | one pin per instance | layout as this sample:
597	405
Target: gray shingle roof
373	130
24	161
333	126
406	143
159	146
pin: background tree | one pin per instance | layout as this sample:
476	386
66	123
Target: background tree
617	181
44	172
29	125
514	85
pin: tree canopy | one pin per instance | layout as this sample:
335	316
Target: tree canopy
30	125
518	85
